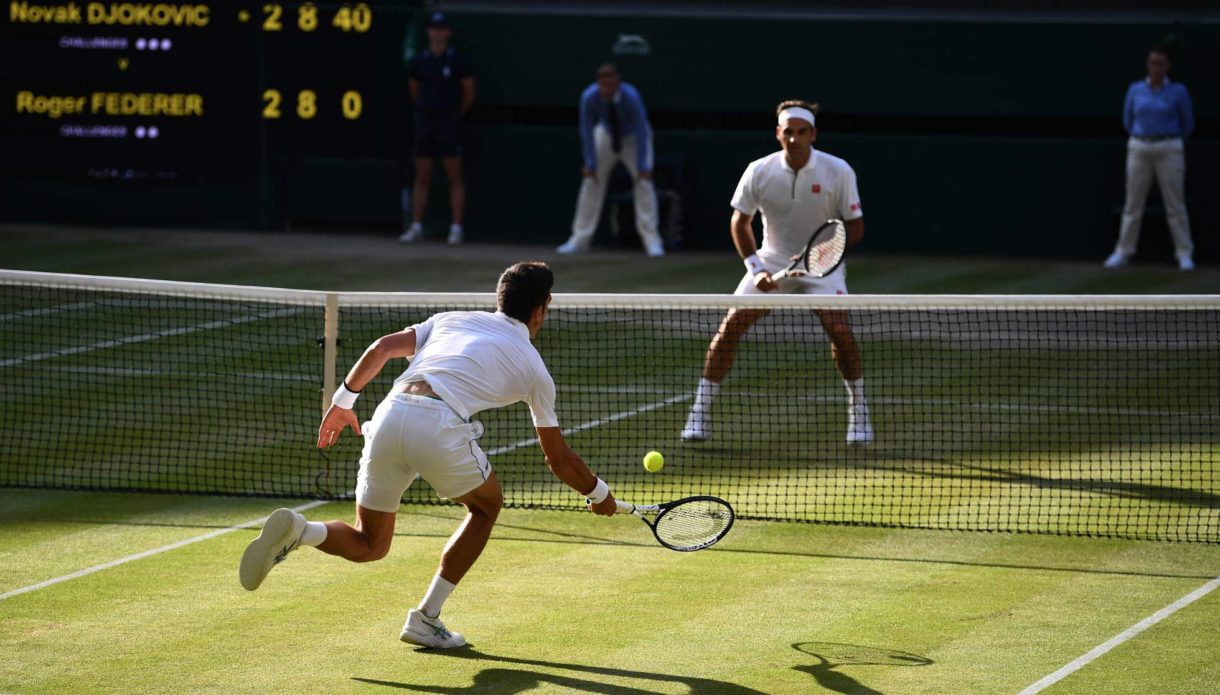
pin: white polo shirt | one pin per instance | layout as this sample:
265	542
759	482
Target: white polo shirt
795	203
477	360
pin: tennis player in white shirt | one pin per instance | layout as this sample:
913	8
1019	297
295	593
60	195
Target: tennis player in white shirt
462	362
797	189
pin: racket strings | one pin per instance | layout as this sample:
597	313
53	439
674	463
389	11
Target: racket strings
824	254
694	524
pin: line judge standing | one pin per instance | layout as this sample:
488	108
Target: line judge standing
1158	115
614	128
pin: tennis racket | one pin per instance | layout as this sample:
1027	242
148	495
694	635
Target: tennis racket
822	254
685	525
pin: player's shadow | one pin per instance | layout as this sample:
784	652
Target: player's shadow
502	679
834	655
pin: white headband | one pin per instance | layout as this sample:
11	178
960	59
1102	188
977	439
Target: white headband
795	112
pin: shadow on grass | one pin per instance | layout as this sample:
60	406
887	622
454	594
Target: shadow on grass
567	538
832	655
500	679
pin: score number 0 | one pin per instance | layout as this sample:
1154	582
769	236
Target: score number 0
307	104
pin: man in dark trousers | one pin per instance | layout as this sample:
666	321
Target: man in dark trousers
442	91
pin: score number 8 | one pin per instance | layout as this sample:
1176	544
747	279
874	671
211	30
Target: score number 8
352	104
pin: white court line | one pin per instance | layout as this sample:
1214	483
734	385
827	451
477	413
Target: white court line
1122	637
148	553
309	505
148	336
594	423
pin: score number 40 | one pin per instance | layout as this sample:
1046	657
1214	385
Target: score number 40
348	18
307	104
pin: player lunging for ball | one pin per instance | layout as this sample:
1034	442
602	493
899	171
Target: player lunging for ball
462	362
797	189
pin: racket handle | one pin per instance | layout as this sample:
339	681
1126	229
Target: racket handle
625	507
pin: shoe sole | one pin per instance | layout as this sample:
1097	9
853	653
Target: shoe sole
259	556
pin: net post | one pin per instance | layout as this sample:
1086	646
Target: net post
330	350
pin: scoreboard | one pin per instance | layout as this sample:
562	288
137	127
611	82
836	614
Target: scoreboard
204	111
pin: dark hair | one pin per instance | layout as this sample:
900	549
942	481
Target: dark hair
813	107
607	70
1170	46
524	287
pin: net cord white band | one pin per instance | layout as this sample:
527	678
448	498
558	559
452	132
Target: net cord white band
432	300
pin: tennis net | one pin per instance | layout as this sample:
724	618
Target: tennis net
1094	416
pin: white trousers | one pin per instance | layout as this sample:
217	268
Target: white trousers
593	191
1163	159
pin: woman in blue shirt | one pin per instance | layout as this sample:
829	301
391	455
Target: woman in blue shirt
1158	116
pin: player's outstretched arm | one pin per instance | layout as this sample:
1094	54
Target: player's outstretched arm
569	467
370	364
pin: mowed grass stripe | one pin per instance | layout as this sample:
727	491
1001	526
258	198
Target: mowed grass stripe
181	618
1132	631
115	562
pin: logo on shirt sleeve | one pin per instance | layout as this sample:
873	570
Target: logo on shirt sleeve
817	188
855	207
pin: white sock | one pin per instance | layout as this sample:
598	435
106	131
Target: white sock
704	395
855	392
314	534
435	598
455	227
416	227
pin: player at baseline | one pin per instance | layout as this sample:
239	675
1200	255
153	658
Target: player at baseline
462	362
797	189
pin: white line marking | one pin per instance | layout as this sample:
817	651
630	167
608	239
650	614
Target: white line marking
148	553
149	336
1122	637
594	423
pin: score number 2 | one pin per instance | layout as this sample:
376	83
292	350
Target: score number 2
307	104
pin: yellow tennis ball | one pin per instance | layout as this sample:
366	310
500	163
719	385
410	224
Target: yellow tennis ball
653	461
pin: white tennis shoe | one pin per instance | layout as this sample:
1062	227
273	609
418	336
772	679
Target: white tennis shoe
859	427
698	427
455	235
429	632
655	250
413	234
281	535
1185	262
1116	260
569	248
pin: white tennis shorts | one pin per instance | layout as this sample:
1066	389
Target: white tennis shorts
411	435
835	283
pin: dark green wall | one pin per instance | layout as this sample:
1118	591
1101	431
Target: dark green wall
851	66
1046	181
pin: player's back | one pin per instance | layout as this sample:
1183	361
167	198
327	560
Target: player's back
476	360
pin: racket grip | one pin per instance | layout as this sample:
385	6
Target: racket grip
625	507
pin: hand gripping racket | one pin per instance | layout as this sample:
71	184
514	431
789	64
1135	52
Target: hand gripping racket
691	523
822	254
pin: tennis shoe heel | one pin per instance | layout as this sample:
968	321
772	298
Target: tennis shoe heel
281	535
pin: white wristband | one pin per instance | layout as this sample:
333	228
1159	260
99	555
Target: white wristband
344	397
754	264
599	492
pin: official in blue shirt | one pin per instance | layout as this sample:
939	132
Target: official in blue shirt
1159	116
614	128
442	91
